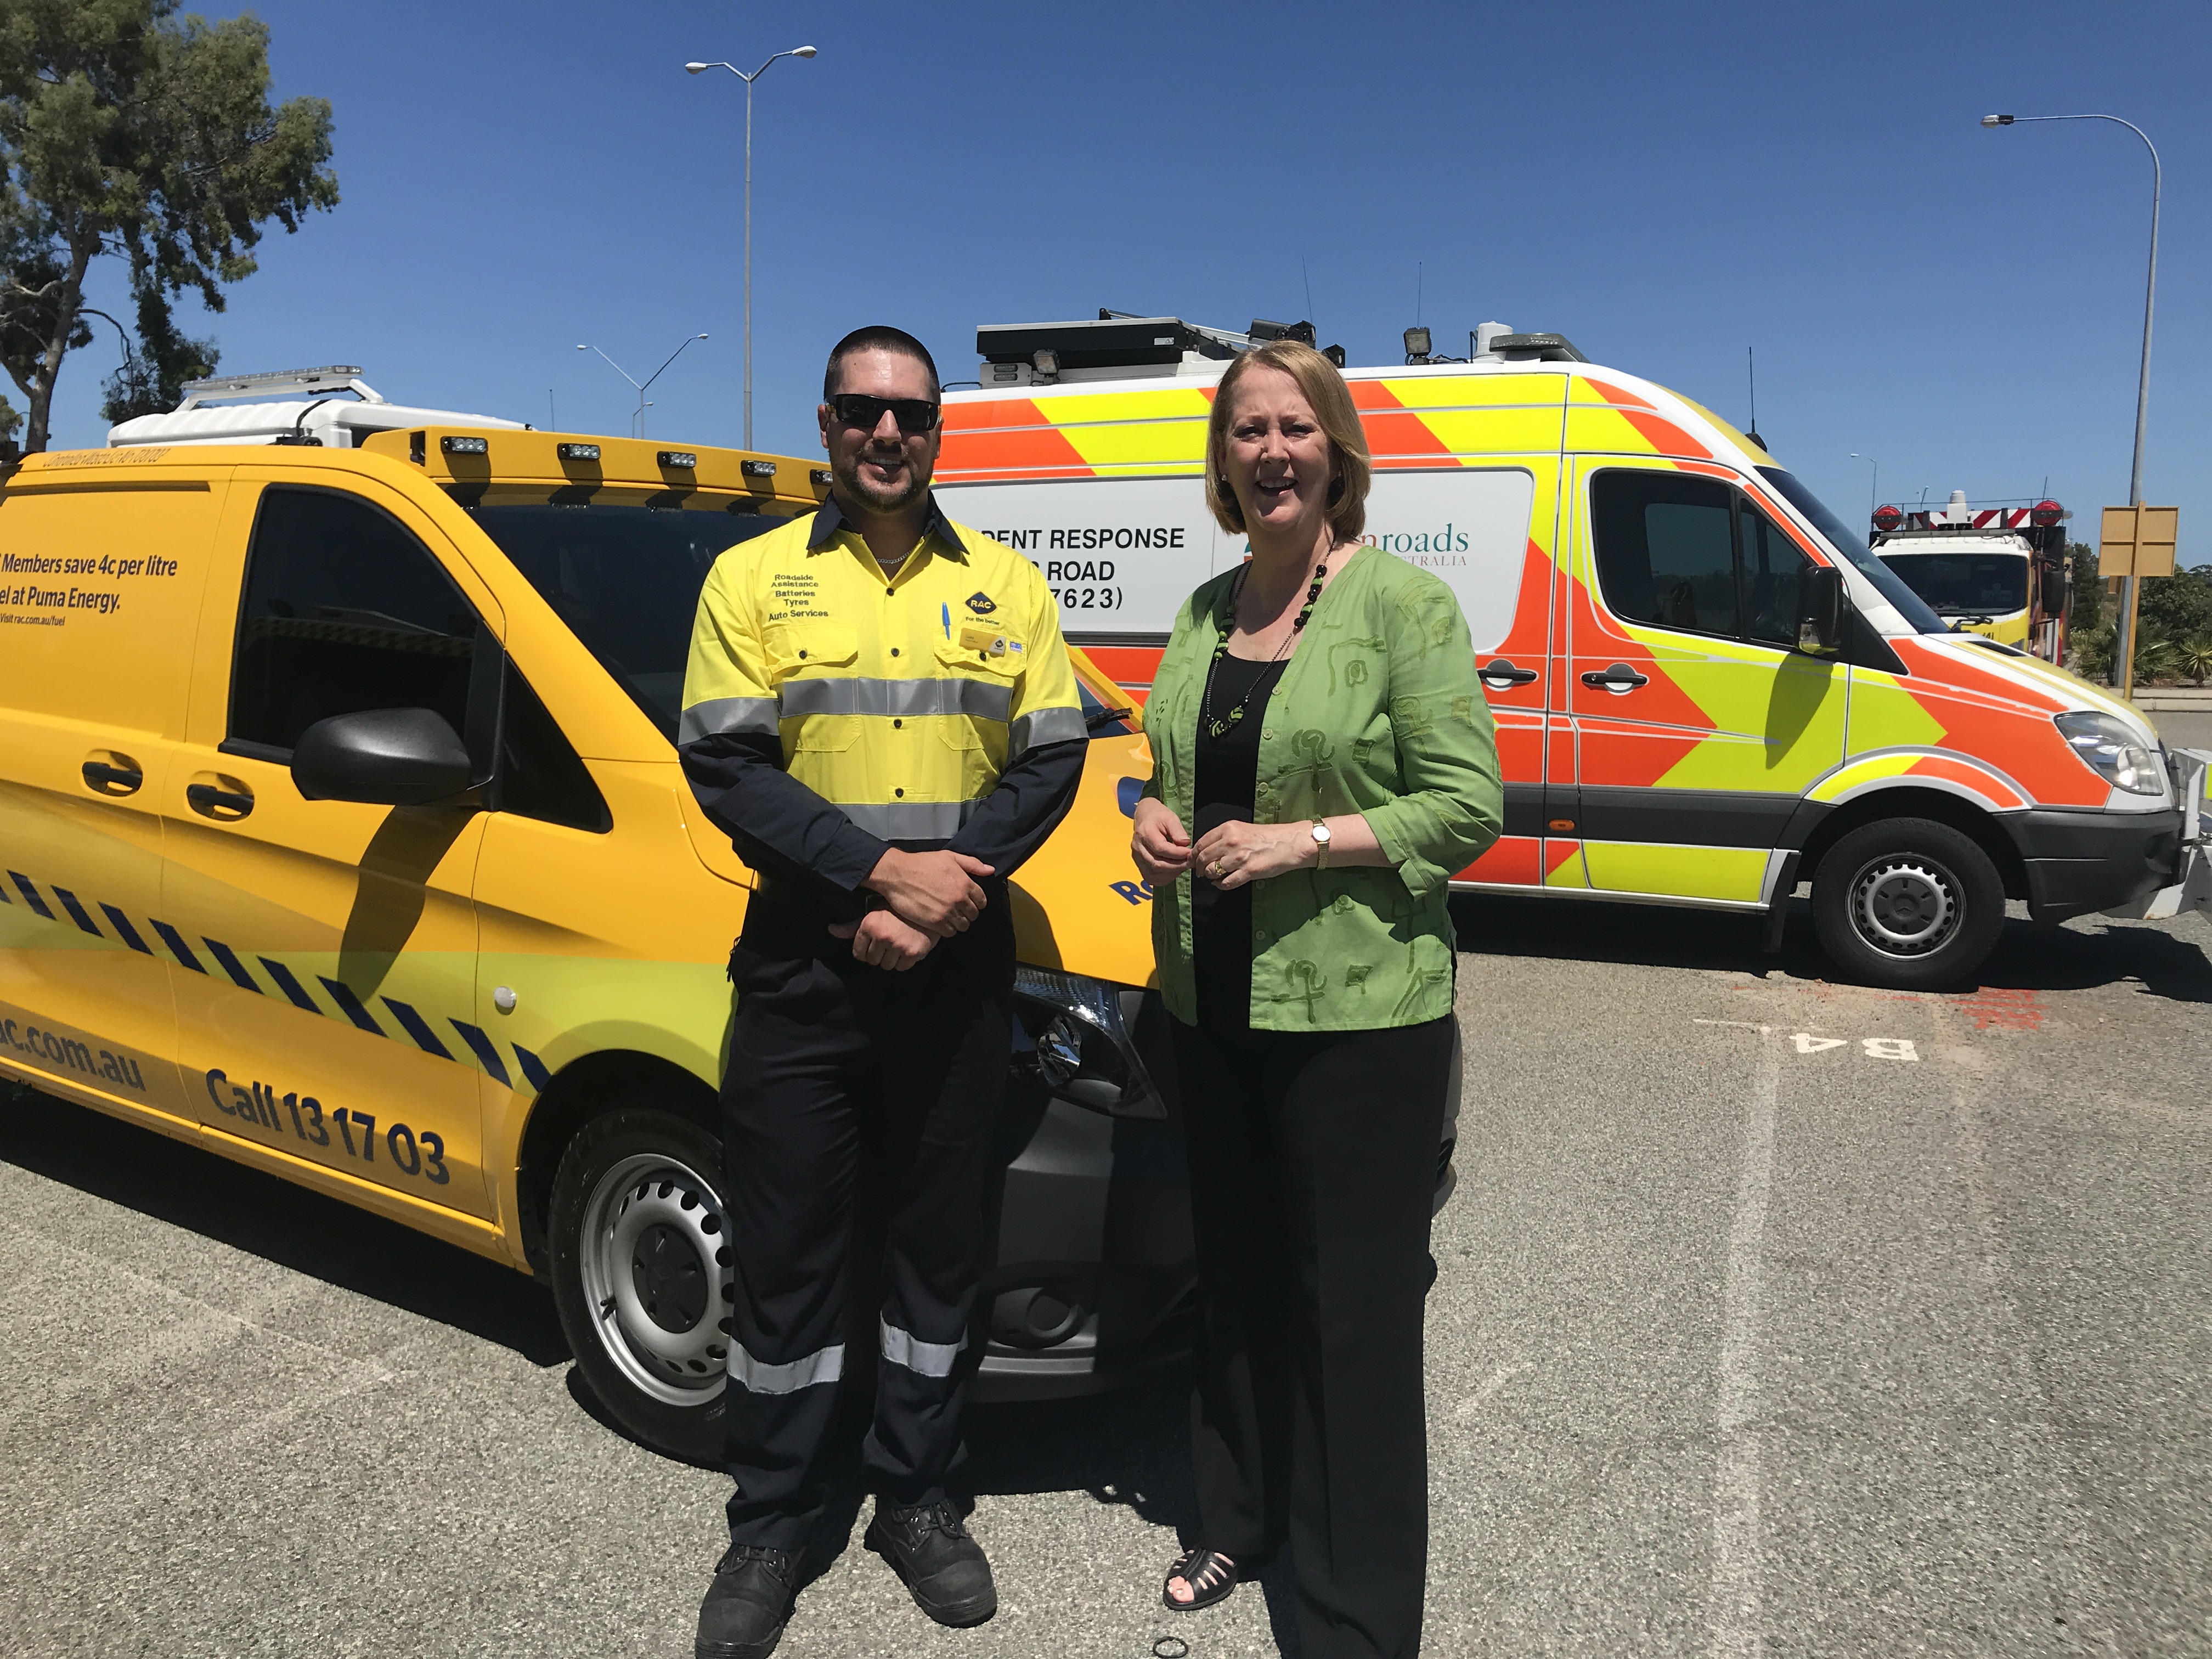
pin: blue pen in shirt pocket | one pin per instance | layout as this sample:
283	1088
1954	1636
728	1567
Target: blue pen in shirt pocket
945	611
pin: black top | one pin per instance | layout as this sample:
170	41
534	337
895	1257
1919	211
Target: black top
1225	771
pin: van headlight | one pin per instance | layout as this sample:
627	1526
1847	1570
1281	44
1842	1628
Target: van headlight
1072	1035
2114	753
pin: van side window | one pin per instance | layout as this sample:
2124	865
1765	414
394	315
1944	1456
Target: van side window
540	775
1665	548
344	610
1772	565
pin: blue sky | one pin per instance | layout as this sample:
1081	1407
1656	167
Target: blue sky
1665	184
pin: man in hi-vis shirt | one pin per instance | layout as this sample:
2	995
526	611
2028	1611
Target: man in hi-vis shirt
880	711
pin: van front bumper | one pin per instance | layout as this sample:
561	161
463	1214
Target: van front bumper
2082	861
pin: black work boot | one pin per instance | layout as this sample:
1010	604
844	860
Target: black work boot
944	1568
741	1617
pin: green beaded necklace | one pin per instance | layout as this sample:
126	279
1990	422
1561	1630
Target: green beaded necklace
1217	727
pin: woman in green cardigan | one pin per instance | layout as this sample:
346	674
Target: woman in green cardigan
1323	763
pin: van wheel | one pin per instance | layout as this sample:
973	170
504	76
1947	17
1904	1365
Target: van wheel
1908	903
639	1239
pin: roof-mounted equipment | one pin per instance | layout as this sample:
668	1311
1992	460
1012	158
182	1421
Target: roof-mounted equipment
1114	346
1535	349
277	383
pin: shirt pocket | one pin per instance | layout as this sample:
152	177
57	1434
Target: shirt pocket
974	696
810	661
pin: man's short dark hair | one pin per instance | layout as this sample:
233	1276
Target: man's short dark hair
879	337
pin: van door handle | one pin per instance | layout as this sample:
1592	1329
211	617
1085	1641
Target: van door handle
105	779
1502	673
1616	678
210	802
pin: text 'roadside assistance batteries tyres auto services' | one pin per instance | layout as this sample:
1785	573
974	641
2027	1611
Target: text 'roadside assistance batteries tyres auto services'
1706	688
341	832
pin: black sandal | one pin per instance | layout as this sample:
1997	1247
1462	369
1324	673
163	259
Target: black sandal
1211	1575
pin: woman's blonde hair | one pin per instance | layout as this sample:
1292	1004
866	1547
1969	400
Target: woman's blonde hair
1325	389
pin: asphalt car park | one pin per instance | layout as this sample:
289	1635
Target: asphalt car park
1772	1314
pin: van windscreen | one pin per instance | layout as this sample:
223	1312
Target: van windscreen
1964	584
626	579
1839	536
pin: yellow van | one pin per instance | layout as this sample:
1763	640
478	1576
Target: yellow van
342	833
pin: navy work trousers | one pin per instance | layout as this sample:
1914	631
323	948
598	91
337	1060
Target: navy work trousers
853	1089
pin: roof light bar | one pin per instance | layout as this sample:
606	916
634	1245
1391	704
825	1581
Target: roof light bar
464	445
759	469
678	458
577	452
822	476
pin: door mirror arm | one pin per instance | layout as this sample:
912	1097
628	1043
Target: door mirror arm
386	757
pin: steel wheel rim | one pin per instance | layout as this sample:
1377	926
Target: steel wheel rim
654	1247
1904	904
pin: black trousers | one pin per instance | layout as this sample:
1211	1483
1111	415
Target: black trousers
848	1089
1313	1162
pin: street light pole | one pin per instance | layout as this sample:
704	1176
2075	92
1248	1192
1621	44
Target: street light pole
2124	630
637	421
695	69
1873	484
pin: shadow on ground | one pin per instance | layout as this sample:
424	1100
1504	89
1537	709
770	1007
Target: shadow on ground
2080	955
321	1238
1131	1448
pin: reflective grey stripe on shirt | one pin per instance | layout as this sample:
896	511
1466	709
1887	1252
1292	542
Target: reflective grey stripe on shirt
855	696
720	715
910	820
754	1376
923	1358
1043	725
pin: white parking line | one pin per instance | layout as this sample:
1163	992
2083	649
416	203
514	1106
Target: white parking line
1738	1562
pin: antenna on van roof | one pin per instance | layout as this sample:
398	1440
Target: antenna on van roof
1751	367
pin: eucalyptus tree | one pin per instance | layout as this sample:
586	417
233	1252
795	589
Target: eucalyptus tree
128	132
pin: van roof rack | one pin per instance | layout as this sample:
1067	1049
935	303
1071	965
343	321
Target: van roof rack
294	382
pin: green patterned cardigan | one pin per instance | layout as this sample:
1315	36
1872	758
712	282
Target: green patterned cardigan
1380	711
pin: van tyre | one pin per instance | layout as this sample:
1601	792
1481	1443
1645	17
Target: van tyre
639	1238
1909	903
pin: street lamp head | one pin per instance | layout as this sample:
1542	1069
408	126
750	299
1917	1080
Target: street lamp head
1997	120
802	51
694	68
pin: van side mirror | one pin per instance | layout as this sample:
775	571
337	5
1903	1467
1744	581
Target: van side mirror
2053	592
381	757
1820	611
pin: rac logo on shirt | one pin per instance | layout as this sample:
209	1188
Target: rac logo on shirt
981	603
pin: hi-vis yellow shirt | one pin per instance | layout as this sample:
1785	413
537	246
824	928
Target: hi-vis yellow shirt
901	699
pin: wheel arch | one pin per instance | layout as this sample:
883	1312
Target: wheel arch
1905	800
581	1090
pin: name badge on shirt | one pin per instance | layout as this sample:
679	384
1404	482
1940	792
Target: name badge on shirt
990	640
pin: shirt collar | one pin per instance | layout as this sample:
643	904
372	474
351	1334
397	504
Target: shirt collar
830	521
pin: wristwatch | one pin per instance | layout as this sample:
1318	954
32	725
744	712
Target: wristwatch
1321	844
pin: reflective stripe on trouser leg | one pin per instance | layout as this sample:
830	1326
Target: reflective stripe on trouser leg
923	1358
758	1376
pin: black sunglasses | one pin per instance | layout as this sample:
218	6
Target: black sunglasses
914	416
